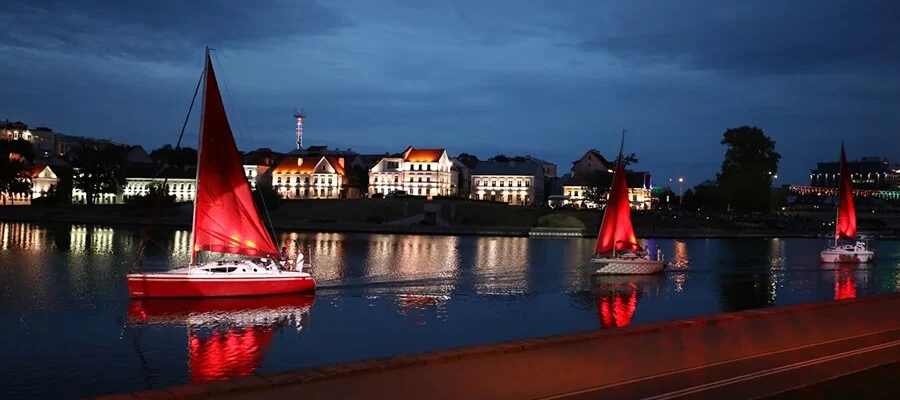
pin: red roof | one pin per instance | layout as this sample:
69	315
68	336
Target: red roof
422	155
35	170
290	165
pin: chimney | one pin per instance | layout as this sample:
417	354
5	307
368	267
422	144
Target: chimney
341	162
299	161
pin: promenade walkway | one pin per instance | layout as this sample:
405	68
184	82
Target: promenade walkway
742	355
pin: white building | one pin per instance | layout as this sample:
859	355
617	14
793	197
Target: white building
639	192
418	172
310	177
515	183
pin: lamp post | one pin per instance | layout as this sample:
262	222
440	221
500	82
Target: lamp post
680	190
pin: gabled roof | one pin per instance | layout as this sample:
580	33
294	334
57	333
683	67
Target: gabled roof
35	170
597	154
422	155
307	165
527	168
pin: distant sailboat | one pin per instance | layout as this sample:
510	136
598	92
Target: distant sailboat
225	221
845	230
617	249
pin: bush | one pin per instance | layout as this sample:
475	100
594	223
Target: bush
559	221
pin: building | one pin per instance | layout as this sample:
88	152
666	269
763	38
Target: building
41	178
594	170
591	162
461	184
639	191
310	177
140	178
418	172
42	139
514	183
869	173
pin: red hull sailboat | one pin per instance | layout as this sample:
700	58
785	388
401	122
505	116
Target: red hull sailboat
225	221
844	250
617	249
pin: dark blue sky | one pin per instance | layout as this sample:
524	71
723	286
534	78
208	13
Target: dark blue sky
546	78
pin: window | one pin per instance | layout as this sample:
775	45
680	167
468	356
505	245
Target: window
429	167
329	181
576	193
519	183
428	179
509	182
420	179
527	183
396	179
278	180
493	183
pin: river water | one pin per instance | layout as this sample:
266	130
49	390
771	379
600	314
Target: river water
68	329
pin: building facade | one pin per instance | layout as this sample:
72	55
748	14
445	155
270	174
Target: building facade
594	170
869	173
640	195
418	172
310	177
514	183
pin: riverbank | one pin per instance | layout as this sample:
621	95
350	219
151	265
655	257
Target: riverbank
454	217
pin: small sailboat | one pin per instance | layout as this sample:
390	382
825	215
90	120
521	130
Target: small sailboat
225	221
617	251
846	248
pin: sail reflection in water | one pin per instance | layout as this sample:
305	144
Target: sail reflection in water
617	297
848	281
227	337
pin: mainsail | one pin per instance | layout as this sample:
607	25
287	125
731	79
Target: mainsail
846	218
225	217
616	231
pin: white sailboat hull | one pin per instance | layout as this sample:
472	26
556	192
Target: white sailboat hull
847	254
627	266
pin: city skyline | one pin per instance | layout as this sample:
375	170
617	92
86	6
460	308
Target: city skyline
481	78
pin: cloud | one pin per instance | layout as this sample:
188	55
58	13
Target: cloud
753	38
165	30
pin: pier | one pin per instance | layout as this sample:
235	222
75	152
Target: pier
740	355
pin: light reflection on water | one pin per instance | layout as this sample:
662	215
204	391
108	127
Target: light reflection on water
62	297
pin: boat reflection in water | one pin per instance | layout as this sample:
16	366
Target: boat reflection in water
616	296
227	337
849	280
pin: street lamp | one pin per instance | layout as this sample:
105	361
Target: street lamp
680	190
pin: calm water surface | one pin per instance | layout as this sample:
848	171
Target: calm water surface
68	329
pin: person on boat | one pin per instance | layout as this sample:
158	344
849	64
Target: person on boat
284	254
299	262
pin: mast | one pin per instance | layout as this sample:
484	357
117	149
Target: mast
199	154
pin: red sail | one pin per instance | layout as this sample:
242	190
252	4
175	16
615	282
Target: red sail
225	218
846	218
616	231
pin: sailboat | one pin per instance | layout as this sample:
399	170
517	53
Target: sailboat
844	250
225	221
617	250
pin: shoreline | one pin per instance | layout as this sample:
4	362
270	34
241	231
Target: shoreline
343	227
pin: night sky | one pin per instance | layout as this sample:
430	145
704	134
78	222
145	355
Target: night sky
550	79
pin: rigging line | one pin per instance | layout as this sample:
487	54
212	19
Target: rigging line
243	122
165	190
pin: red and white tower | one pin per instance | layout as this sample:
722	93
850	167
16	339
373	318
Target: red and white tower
300	114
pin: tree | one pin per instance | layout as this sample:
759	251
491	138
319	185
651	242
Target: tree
704	197
99	170
750	162
14	158
180	157
468	160
630	159
596	187
499	158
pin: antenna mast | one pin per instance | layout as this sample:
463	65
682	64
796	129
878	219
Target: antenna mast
299	114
